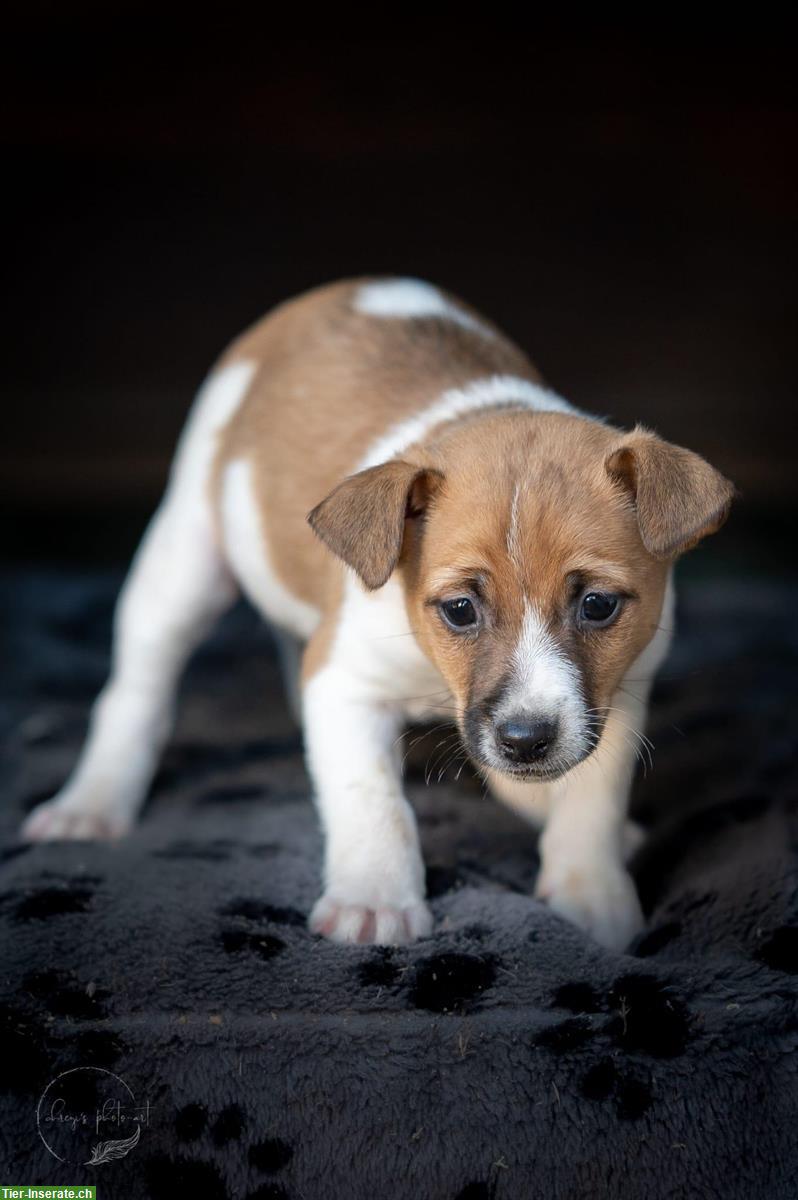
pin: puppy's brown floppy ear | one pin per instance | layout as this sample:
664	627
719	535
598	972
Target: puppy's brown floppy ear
363	519
678	496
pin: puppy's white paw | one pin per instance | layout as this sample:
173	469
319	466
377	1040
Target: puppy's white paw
379	924
598	897
67	819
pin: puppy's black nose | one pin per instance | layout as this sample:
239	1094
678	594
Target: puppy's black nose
525	741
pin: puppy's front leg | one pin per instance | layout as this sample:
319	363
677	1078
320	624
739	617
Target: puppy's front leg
586	839
373	872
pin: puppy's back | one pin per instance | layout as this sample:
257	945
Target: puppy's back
335	369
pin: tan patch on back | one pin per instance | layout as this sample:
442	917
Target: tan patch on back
330	381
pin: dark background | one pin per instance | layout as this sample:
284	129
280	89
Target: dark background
624	206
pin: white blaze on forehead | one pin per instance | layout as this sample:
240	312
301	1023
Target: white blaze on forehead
513	544
398	298
543	683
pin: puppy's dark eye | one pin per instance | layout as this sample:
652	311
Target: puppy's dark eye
598	608
459	613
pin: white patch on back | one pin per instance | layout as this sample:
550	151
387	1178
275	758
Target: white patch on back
407	298
457	402
246	550
215	403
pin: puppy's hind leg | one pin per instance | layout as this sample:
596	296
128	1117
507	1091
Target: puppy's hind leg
177	587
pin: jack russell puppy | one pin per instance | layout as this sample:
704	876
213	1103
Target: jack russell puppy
475	547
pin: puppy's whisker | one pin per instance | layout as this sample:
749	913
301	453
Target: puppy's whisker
451	761
619	715
457	751
425	733
442	769
462	764
384	637
418	738
642	747
440	748
445	692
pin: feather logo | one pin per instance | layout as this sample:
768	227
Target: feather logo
107	1151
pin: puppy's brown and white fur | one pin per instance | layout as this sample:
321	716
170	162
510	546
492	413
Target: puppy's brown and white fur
455	483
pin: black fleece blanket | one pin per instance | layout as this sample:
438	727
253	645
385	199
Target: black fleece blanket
170	980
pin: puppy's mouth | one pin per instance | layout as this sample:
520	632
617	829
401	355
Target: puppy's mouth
531	772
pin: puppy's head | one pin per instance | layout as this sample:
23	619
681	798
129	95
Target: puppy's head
534	553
